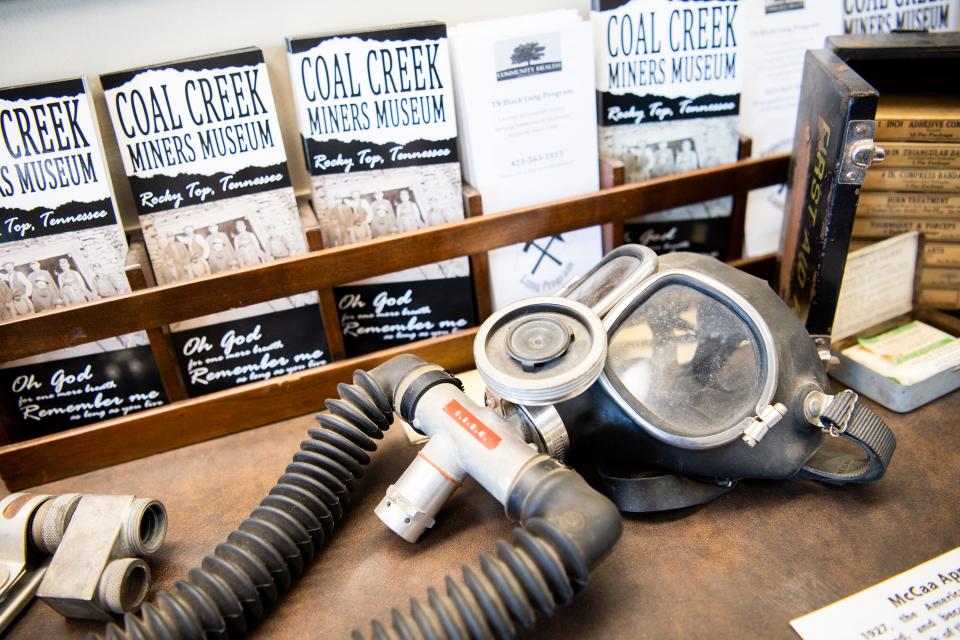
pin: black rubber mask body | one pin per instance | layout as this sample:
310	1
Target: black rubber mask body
702	405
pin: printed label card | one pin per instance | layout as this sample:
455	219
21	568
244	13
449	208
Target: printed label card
201	146
528	136
922	602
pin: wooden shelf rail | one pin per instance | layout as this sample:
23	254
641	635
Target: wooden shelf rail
188	421
161	305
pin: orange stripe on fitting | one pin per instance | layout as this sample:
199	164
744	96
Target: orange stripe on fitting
446	475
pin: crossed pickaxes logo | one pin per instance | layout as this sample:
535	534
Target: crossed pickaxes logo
544	252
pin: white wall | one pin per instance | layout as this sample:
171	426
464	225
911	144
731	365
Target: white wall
43	40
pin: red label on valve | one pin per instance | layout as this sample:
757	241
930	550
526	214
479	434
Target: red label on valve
472	424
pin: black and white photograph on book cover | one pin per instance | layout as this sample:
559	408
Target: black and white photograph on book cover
357	207
224	235
382	156
200	143
54	275
60	271
655	150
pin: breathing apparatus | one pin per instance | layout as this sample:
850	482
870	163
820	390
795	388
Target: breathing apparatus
680	375
695	375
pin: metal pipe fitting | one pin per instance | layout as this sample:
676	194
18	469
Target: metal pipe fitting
108	533
410	506
465	439
95	542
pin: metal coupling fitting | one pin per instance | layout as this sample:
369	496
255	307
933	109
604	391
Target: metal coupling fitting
51	520
410	506
96	570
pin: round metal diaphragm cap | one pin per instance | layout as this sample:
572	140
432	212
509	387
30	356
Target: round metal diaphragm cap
540	351
537	340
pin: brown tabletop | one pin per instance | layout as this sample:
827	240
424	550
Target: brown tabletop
741	567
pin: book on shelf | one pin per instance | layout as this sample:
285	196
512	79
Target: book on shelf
883	16
668	92
880	178
527	116
938	276
918	118
926	155
939	298
917	205
377	120
201	148
935	229
932	254
942	254
61	244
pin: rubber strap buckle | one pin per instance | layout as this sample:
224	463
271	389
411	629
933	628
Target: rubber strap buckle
835	418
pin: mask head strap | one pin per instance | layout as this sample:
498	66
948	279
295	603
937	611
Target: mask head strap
636	491
862	427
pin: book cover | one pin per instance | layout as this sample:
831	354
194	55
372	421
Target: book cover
200	144
941	254
887	16
378	123
668	92
525	95
945	277
910	179
61	244
945	229
932	254
929	155
918	205
918	118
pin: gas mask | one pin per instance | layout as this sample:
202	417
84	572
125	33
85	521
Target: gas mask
679	375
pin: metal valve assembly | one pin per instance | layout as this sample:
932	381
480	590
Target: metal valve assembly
81	554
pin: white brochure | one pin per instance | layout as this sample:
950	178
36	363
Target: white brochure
776	37
525	95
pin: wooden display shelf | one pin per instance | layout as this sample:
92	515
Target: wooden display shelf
151	308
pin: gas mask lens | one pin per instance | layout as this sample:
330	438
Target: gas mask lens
687	361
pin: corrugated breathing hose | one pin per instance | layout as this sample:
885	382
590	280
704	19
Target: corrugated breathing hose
228	593
567	528
501	600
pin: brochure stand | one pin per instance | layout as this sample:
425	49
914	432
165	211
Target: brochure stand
187	421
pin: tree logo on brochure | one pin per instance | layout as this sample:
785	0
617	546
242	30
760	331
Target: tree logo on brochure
527	53
519	58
